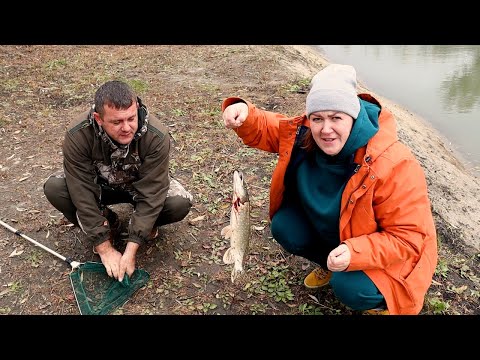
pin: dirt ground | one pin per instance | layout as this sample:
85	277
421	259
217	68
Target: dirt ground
42	87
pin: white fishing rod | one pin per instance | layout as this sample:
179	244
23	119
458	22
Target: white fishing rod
72	263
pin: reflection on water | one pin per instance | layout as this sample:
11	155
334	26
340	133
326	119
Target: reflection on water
441	83
461	90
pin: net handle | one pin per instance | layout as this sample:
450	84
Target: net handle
73	264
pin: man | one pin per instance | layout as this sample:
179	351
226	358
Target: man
117	152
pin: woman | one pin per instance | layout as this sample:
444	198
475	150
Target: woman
346	194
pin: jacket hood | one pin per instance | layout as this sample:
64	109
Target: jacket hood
364	128
387	128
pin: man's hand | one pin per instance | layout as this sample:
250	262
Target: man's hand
339	258
127	262
110	258
234	115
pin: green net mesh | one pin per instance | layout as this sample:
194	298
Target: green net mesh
99	294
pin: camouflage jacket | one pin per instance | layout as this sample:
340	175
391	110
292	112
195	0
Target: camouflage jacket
141	168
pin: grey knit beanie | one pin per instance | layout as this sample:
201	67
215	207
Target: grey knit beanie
334	88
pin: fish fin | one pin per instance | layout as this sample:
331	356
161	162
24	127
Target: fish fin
226	232
228	257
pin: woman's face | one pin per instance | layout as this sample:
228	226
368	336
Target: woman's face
330	130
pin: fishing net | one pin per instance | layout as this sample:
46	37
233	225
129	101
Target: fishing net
99	294
96	292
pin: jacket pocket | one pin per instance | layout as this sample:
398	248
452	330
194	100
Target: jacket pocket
419	280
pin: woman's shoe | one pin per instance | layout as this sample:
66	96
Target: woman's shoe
317	278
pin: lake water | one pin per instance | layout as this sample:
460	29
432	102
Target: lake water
441	83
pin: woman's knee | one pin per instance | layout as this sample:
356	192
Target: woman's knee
279	233
288	235
355	290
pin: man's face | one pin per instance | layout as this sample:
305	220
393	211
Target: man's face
120	124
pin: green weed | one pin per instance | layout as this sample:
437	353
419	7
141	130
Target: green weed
438	306
56	64
442	268
307	309
35	258
300	86
206	307
258	308
139	86
275	284
178	112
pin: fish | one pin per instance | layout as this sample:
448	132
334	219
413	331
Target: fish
238	231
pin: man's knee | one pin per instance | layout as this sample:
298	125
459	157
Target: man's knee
56	192
54	188
176	208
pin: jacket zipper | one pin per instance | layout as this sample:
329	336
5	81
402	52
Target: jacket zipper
367	160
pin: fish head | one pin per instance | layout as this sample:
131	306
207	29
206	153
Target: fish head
240	192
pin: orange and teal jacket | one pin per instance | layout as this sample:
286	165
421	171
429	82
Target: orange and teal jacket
385	215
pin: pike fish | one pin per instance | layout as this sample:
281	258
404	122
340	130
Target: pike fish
238	231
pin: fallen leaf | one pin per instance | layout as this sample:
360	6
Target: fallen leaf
460	289
41	307
15	253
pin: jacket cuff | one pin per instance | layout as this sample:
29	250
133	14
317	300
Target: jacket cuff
231	100
136	239
99	241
